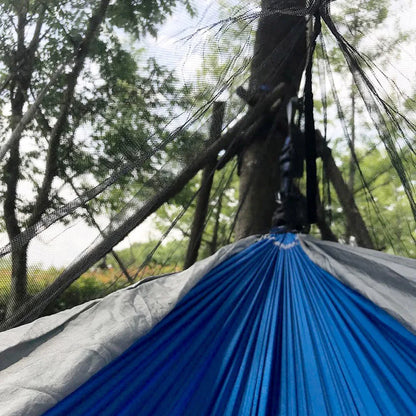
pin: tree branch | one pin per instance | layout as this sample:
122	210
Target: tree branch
97	226
17	101
29	114
59	127
201	208
36	35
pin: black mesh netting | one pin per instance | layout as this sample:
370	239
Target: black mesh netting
107	120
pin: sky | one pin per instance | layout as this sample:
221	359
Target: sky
59	245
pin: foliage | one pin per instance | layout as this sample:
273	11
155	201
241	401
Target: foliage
386	213
77	55
222	209
226	65
383	204
122	101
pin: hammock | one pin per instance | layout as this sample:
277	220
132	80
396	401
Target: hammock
277	325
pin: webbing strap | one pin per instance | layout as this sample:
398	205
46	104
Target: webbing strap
310	137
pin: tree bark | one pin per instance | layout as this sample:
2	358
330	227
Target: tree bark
355	221
201	209
279	56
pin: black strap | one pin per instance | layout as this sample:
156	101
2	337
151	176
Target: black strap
310	137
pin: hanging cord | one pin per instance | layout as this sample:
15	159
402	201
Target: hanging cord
370	199
310	137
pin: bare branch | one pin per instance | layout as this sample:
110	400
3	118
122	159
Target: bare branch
5	83
201	209
29	114
36	35
59	127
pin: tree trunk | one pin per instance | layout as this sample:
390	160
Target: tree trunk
18	254
18	286
51	169
324	227
355	221
21	69
201	209
279	56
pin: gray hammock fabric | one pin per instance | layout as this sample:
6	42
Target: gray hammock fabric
388	281
44	361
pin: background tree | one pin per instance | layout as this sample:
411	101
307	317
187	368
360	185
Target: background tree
127	110
279	56
50	54
363	26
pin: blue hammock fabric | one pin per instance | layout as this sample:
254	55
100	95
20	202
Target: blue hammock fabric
267	332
